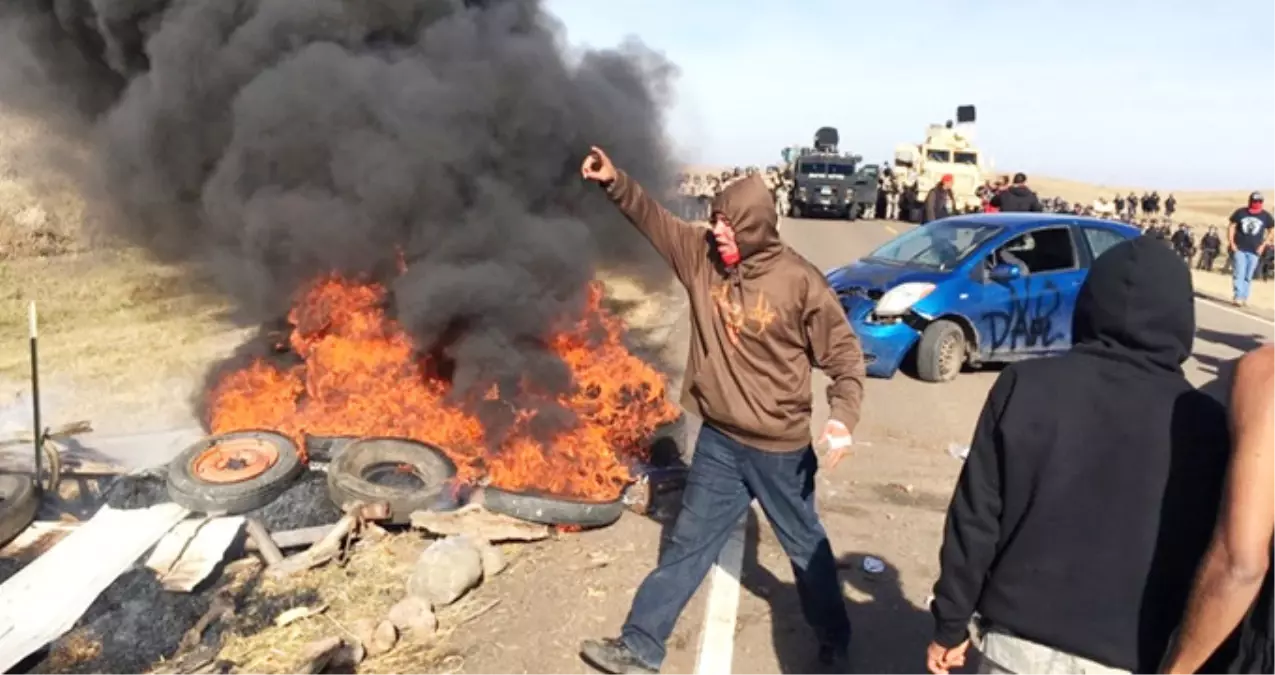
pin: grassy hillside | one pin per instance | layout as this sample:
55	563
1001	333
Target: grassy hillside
1195	207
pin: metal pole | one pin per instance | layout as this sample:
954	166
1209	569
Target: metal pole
38	430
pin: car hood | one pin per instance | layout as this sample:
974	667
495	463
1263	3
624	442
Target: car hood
876	278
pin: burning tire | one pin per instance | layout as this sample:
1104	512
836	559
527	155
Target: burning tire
552	510
233	473
407	475
18	504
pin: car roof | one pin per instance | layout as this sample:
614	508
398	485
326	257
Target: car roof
1023	221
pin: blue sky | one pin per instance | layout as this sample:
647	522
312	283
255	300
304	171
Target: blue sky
1168	94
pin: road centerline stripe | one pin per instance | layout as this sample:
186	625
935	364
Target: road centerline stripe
717	639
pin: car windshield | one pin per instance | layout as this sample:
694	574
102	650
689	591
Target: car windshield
965	158
941	245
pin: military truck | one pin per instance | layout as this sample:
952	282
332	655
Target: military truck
827	182
947	149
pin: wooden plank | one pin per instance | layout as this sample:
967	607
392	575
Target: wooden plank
297	538
191	550
39	537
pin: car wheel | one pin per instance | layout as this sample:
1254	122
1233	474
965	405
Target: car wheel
941	352
233	473
19	501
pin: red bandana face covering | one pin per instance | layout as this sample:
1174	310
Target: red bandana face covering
1255	207
730	255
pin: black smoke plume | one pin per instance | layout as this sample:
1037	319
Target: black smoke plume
265	142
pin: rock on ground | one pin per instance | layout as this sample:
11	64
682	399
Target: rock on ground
493	559
414	616
446	570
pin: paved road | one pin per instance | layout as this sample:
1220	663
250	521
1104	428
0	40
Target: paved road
888	499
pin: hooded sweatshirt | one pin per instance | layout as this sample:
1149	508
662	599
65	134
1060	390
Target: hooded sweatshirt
757	327
1017	198
1092	482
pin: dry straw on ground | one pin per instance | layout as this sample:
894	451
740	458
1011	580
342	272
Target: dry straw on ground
365	588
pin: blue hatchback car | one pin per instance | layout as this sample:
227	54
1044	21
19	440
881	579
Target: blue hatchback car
972	289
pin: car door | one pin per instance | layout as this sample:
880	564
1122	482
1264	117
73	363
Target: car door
1031	315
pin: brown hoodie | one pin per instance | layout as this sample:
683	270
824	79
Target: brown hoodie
757	328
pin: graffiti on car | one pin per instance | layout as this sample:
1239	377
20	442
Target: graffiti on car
1027	320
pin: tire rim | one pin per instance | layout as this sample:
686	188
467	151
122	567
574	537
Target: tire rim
234	461
949	356
396	476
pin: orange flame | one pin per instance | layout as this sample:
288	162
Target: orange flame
361	376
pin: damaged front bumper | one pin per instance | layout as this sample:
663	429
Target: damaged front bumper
885	342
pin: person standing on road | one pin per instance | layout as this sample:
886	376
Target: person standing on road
1017	197
1249	234
939	203
1170	206
1075	527
1234	585
1210	249
761	318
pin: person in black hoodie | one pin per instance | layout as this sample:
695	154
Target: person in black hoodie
1090	489
1017	197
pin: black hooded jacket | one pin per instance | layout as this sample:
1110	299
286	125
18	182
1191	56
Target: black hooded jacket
1093	479
1017	198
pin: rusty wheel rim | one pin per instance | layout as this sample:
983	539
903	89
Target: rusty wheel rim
949	357
234	461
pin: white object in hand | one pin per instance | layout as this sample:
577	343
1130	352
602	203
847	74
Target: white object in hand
839	442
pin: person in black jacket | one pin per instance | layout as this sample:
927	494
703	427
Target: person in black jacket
1091	486
939	203
1017	197
1210	248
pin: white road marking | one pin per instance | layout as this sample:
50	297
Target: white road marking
891	229
1236	312
717	640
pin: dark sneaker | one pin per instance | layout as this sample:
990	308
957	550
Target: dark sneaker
611	655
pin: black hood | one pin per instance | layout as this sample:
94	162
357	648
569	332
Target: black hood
1137	304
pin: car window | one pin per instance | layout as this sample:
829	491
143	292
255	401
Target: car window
1101	239
941	244
1039	251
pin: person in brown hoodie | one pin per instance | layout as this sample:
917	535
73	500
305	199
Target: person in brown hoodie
761	318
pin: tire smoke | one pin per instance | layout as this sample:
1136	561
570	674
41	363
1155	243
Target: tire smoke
264	143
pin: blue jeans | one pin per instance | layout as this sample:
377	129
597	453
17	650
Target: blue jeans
1244	264
725	477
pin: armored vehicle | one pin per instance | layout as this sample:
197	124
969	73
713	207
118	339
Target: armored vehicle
827	182
947	149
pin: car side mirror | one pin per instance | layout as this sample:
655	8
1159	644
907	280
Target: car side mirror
1005	272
